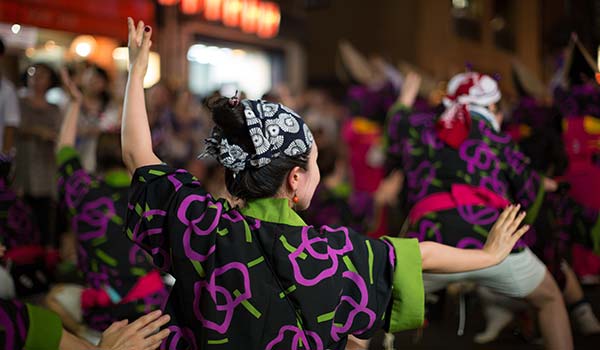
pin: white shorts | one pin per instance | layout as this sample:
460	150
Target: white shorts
7	286
69	296
517	276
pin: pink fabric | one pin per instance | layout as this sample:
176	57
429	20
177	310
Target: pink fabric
145	286
582	174
364	177
585	262
459	195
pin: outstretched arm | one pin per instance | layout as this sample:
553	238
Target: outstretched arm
136	141
68	129
502	237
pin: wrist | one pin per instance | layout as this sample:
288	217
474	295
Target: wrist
136	73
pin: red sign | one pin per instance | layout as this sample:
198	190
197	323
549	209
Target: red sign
85	17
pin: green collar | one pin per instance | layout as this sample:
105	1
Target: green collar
275	210
117	178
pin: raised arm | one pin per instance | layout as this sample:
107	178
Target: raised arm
68	129
502	237
136	141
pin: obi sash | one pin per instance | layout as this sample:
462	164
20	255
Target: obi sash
459	195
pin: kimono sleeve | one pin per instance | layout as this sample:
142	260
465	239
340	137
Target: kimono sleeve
24	326
407	307
169	214
525	184
73	181
387	275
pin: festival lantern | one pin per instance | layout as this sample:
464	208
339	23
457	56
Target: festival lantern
168	2
231	12
249	17
212	10
268	19
598	63
190	7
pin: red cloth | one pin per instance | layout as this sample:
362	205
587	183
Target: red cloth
145	286
454	125
459	195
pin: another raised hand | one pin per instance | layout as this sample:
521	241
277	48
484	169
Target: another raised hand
70	87
410	89
136	141
139	47
502	238
68	129
143	334
505	233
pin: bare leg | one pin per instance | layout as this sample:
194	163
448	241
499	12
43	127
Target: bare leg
552	314
572	292
582	314
357	344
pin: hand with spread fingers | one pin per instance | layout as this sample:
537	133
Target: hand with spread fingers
142	334
139	47
70	87
505	233
410	89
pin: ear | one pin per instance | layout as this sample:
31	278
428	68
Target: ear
293	180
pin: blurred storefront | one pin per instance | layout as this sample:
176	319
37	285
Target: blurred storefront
230	45
204	45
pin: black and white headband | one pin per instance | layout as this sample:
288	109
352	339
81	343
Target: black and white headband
273	128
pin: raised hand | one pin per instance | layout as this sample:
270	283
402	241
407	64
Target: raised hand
70	86
139	47
142	334
505	233
410	89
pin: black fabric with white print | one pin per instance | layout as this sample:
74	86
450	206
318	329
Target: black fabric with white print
274	129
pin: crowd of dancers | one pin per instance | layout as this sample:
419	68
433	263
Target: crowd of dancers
308	230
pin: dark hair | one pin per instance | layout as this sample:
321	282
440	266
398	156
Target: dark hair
108	152
2	48
54	78
250	183
104	94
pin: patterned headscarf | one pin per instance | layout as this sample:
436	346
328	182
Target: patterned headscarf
467	93
274	129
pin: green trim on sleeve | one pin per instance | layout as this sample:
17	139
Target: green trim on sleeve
45	329
534	210
595	236
65	154
408	293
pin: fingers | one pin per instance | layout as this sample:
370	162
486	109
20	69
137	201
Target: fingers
503	216
512	214
117	325
512	227
139	33
154	341
146	39
155	326
131	29
145	320
519	234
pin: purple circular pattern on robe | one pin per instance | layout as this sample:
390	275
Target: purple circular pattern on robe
310	245
298	335
212	287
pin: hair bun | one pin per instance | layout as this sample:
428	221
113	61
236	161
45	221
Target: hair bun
230	118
